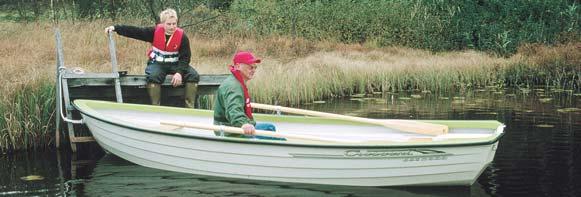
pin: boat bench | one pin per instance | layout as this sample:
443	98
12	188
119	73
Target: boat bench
100	86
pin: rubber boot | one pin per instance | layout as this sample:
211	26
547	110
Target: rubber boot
154	91
190	94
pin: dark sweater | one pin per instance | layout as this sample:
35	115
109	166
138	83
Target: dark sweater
146	34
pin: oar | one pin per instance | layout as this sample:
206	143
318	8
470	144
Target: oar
401	125
237	130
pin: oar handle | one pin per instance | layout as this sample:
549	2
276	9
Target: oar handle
226	129
237	130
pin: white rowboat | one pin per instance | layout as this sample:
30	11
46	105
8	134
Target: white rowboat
317	150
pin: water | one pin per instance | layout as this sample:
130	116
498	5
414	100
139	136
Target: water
540	154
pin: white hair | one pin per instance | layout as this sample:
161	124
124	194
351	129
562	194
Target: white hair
167	14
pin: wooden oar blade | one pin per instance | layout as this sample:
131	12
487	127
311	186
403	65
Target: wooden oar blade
416	127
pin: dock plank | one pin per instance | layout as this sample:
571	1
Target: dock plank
101	86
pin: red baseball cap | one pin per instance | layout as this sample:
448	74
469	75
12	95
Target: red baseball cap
245	58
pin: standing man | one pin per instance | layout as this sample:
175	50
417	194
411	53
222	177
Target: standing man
169	54
232	104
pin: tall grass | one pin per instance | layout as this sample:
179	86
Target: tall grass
294	70
332	74
538	65
28	117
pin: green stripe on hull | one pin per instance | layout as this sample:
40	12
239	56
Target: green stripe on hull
92	104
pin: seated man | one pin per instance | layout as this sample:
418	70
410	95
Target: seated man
232	104
170	54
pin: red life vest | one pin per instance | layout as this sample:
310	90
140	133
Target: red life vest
162	52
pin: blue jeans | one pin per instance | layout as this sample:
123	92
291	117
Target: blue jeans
258	126
266	127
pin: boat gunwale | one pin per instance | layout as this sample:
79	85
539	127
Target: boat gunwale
498	134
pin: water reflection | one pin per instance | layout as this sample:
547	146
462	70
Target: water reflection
59	172
117	177
99	174
15	168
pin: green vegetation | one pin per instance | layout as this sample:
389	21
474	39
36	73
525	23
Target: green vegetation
29	117
312	50
498	26
495	26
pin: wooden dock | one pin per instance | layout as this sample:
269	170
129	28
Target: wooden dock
101	86
74	83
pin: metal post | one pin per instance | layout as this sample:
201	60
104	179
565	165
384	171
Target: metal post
68	108
114	67
59	64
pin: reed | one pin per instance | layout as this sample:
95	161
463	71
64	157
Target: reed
538	65
28	121
294	70
332	74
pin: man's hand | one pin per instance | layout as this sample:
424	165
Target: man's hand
248	129
109	29
176	80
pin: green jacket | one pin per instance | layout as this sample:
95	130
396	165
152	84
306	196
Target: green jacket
229	104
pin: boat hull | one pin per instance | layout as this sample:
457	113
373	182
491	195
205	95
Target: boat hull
306	163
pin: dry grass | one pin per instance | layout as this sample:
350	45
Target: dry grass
324	68
337	73
537	54
551	66
293	70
